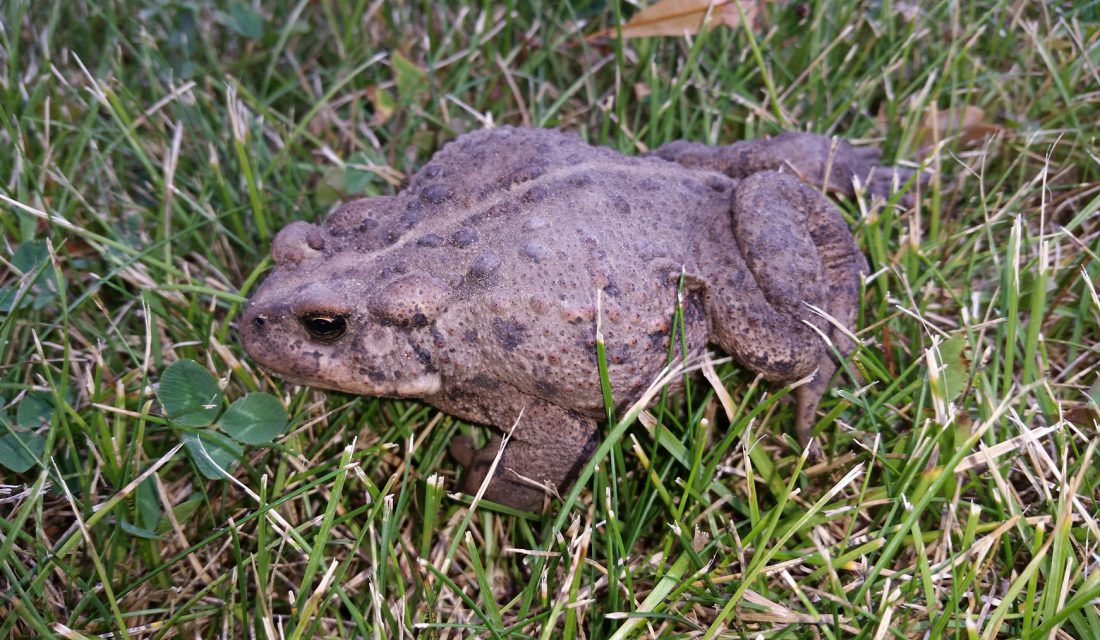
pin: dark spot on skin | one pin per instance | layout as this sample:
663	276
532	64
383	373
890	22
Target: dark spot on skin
535	224
486	190
374	374
306	366
483	267
470	336
436	193
424	357
432	171
338	229
343	220
619	205
546	389
475	220
509	333
586	342
617	353
382	239
612	290
483	381
580	180
419	320
366	236
464	237
658	340
413	214
535	194
503	209
395	269
523	173
535	252
430	240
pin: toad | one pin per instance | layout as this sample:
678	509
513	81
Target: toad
477	288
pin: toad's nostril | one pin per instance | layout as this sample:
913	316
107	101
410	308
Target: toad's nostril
258	323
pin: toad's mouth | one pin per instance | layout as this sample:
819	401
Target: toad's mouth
417	386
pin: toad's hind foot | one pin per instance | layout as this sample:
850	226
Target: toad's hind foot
807	398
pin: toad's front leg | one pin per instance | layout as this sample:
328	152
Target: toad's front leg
547	450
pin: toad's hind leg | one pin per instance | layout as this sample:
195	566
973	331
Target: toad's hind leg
548	448
818	160
796	249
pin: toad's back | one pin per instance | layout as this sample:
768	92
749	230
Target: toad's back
534	231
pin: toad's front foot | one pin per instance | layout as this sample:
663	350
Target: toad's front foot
548	448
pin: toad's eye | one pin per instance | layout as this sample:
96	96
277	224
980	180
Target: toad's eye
325	327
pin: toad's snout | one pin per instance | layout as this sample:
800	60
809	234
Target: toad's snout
258	329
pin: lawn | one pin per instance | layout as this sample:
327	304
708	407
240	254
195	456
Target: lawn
151	150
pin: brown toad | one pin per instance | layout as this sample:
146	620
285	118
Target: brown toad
475	289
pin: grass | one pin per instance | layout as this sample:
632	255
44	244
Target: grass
152	149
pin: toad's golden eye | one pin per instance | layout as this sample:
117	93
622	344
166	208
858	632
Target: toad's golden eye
325	327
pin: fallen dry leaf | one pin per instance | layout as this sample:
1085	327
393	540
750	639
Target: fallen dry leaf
966	123
684	17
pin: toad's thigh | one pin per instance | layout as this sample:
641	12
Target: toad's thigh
775	237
